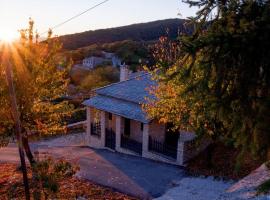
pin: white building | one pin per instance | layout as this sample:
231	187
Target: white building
108	55
93	61
116	61
116	121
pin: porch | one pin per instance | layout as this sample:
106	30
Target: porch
117	133
120	124
107	130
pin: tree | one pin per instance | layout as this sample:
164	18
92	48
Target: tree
100	77
17	122
216	81
38	81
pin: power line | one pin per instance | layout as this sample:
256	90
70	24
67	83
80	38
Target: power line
75	16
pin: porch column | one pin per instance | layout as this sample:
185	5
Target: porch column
88	126
180	151
118	132
145	140
102	127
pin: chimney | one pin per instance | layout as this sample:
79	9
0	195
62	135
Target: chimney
124	72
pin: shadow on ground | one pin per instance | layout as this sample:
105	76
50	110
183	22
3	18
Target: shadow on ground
132	175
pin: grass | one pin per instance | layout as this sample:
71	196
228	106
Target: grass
264	187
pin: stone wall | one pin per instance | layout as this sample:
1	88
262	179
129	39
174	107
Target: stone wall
187	146
159	157
135	131
110	124
157	130
96	142
192	148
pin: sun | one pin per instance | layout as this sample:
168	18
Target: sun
7	35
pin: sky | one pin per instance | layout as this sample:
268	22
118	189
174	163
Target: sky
14	14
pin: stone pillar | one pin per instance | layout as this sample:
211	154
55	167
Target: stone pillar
145	139
118	132
180	151
102	127
124	72
88	126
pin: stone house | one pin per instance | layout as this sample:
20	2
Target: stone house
116	121
116	61
93	61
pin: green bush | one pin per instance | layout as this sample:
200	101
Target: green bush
267	164
264	187
100	77
47	174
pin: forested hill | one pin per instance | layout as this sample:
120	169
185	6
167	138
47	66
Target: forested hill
138	32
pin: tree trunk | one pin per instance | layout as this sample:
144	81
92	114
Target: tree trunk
18	128
23	166
28	150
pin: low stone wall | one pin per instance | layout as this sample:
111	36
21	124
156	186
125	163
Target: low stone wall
246	188
77	127
126	151
192	148
159	157
96	142
77	139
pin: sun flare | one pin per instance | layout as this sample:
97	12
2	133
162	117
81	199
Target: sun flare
8	35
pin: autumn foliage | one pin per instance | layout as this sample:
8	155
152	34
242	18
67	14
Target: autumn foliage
216	81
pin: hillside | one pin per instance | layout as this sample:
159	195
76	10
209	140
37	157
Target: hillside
137	32
131	52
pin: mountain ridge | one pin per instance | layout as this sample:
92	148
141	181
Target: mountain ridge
138	32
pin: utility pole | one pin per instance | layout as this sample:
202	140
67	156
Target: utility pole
16	118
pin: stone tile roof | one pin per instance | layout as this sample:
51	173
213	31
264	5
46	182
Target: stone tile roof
124	98
133	90
119	107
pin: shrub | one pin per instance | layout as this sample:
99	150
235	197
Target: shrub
47	174
264	187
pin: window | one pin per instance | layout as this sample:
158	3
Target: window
110	116
127	127
141	126
96	129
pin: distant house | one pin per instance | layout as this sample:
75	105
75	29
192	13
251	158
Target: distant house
92	62
108	55
116	121
116	61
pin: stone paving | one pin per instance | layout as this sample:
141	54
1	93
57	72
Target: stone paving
140	177
135	176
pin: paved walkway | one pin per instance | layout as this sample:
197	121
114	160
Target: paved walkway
136	176
132	175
